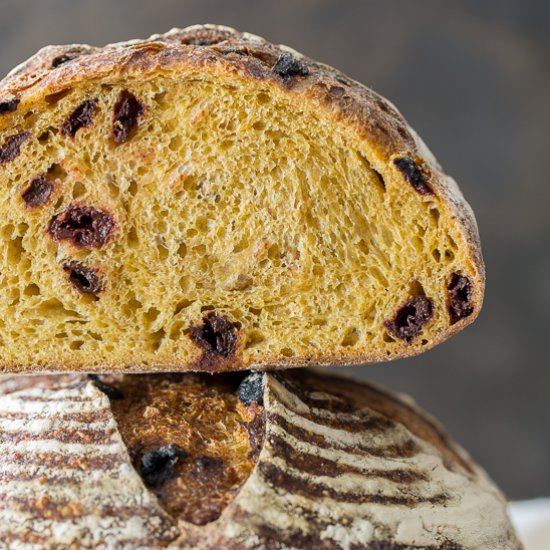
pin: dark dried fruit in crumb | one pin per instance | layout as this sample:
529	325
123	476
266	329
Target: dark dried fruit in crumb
288	66
81	117
460	296
84	279
9	106
410	318
251	389
216	335
83	226
12	146
37	192
127	111
61	60
414	175
157	467
110	391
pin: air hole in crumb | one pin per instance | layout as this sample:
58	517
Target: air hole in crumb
387	338
31	290
351	337
52	99
416	289
242	282
133	240
287	352
253	338
436	254
133	188
78	190
56	171
260	125
449	255
176	331
175	143
160	98
14	250
274	252
263	98
434	213
183	304
375	271
76	344
363	247
157	339
182	250
152	314
379	180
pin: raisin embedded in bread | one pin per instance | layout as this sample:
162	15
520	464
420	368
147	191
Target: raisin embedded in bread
288	460
206	200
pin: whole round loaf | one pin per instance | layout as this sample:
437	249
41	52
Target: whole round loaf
279	461
207	200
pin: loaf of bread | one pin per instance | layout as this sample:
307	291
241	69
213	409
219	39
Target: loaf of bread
206	200
288	460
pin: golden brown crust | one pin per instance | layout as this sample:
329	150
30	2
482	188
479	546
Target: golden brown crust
222	50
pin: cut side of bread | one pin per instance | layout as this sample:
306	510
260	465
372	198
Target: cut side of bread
286	460
205	200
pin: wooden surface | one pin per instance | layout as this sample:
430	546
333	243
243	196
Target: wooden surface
473	78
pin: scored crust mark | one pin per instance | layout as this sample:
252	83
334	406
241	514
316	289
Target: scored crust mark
82	226
127	111
12	146
83	278
9	106
287	66
414	174
110	391
37	192
200	415
81	117
460	295
410	318
251	389
157	466
216	335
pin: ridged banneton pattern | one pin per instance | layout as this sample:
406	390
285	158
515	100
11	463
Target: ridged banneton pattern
344	465
66	477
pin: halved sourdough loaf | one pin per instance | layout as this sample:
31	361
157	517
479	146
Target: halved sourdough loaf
206	200
268	461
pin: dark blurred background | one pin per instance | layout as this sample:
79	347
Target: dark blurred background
473	78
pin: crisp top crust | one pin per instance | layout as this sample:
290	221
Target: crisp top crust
342	465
